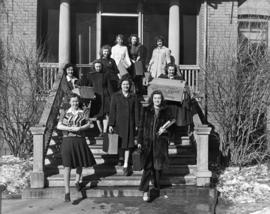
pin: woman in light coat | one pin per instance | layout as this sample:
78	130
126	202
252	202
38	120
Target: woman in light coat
160	58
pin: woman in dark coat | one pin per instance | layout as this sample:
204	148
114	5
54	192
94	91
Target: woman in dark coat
71	83
109	66
135	51
101	82
181	110
124	120
153	140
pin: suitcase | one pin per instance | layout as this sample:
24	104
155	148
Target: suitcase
110	144
139	71
122	69
136	159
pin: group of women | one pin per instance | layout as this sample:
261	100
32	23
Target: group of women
116	108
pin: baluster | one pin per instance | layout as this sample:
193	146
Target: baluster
52	77
44	78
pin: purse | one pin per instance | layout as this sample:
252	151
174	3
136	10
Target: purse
137	160
110	143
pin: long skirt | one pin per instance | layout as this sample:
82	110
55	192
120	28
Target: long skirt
76	153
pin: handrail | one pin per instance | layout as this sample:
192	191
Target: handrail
42	132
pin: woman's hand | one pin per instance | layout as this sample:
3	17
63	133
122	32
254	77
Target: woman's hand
110	129
139	146
161	131
75	129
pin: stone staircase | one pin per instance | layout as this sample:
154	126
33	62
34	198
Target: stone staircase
107	175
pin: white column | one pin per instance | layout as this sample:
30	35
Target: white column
98	30
202	137
64	32
174	30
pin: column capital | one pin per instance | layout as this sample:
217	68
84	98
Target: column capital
203	130
37	130
174	2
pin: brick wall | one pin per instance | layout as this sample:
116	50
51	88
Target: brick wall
18	21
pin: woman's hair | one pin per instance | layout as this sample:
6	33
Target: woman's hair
125	77
75	72
73	95
171	65
120	36
152	96
104	47
159	37
133	35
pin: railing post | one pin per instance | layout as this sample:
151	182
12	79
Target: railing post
203	173
2	189
37	176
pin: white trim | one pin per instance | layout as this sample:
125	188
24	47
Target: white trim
121	14
98	30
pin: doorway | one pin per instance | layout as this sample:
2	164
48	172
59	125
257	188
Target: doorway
114	25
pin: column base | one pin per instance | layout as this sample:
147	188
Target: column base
37	180
203	178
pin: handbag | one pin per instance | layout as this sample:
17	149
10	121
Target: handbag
136	159
122	69
139	71
110	143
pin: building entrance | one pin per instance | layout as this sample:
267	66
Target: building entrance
114	25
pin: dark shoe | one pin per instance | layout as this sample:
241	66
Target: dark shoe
101	134
78	186
67	197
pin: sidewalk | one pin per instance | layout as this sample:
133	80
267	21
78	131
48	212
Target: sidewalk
120	205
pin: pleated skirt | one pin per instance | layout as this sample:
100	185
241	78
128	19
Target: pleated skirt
76	153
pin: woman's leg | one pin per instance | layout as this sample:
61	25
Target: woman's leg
127	152
105	123
156	179
67	179
78	178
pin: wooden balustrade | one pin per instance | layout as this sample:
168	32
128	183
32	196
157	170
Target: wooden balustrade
42	132
48	74
191	75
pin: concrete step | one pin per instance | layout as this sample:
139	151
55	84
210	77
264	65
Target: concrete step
120	181
106	170
182	192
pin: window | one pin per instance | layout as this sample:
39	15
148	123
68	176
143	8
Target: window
254	31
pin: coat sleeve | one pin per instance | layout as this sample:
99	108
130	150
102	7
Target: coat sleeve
136	112
168	55
141	127
113	112
115	68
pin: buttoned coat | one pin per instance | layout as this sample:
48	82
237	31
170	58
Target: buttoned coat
124	117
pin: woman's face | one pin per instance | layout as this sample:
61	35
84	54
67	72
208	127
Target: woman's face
70	71
105	53
125	86
159	43
98	67
134	40
171	71
119	40
74	102
157	100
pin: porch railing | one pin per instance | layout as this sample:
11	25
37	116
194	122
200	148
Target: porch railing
49	72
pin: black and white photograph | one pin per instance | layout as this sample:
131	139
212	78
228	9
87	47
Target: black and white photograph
135	106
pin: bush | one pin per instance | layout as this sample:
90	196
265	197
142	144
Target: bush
238	87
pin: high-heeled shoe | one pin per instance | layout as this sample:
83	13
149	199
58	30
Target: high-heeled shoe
67	197
146	197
